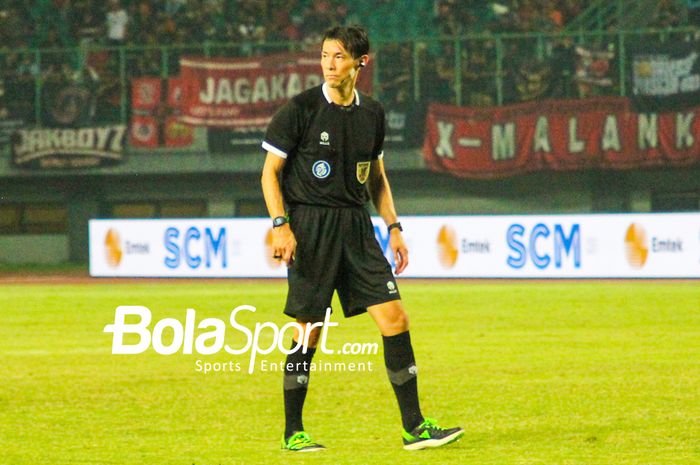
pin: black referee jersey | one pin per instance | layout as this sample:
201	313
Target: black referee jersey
328	147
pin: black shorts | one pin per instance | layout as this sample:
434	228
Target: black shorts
336	250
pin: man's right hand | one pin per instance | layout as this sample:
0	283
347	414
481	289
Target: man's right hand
284	244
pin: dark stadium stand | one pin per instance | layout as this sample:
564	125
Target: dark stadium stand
70	65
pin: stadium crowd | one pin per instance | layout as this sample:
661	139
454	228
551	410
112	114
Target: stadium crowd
61	24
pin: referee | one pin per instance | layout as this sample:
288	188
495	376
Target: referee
324	162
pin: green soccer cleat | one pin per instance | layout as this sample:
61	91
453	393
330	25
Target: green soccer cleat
300	442
429	434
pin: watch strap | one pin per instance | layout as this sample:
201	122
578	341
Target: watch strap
396	225
279	221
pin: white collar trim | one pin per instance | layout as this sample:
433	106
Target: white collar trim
326	94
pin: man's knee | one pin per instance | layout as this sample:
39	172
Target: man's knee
310	332
398	321
390	317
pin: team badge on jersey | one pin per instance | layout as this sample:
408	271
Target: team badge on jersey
363	171
321	169
325	139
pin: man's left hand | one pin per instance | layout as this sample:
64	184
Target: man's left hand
398	247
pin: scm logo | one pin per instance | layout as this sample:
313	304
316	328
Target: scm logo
195	247
533	245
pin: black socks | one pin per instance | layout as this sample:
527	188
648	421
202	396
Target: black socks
402	371
400	366
296	380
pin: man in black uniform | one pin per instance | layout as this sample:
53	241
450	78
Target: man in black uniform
324	161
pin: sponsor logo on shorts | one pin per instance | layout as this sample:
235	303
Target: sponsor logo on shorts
392	287
362	171
321	169
325	138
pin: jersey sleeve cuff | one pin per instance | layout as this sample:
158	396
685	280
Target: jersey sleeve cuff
272	149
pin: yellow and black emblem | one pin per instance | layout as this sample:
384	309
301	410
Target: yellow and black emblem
363	171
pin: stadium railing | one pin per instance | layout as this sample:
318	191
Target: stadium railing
475	69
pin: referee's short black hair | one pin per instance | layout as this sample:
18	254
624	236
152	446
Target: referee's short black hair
353	38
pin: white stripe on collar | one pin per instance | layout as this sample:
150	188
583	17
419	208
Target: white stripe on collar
324	88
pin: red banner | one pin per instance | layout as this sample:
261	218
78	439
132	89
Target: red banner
244	93
156	112
144	131
175	85
177	133
557	135
145	93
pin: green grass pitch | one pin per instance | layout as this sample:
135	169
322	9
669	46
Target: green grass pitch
591	372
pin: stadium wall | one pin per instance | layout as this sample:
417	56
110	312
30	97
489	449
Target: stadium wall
159	185
43	249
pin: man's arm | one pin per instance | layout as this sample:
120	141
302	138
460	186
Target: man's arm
284	243
380	192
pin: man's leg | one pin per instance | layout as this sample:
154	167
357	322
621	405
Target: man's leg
392	321
419	432
296	379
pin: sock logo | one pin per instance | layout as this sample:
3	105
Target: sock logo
302	379
413	370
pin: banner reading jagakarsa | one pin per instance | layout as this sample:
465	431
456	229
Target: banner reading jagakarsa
244	93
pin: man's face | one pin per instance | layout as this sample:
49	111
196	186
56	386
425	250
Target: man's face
337	64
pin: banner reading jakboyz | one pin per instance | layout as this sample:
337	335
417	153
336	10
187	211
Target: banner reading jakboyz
558	135
68	148
533	246
665	76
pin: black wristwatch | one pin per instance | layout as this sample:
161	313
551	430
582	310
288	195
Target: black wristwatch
396	225
279	221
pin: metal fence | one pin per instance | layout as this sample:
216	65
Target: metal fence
470	70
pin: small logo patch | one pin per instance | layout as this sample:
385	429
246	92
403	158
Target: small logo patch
325	138
363	171
321	169
413	370
302	379
392	287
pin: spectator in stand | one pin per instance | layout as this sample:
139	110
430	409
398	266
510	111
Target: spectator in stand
88	26
447	21
144	22
668	14
284	27
172	7
395	75
166	30
116	21
570	9
693	12
14	26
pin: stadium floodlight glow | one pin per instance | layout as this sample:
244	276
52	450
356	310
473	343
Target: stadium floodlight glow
211	341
